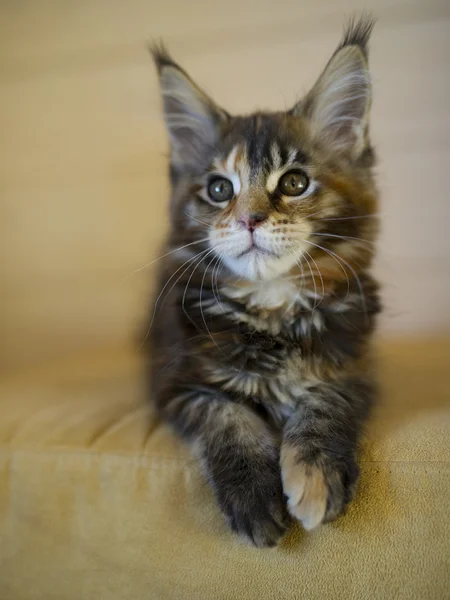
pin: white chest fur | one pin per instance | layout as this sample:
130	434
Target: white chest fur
275	294
270	305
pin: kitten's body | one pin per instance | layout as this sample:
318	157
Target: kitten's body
260	332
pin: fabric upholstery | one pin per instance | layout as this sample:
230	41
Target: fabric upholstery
100	501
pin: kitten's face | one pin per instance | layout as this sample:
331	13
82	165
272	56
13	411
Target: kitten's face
258	193
267	197
276	193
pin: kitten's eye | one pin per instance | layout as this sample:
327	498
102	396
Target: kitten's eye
220	189
293	183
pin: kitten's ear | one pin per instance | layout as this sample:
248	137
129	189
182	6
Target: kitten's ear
193	120
338	105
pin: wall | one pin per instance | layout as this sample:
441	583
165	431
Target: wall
82	168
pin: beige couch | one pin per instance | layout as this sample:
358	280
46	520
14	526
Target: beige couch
97	500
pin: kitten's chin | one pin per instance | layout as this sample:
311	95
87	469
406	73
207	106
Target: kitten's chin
259	267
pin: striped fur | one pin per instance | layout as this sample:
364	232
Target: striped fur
259	336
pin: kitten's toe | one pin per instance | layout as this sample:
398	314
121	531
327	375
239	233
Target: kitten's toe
316	492
263	527
307	494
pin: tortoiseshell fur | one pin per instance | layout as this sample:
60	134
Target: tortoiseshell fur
261	358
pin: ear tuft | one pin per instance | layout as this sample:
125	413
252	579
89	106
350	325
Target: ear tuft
357	33
160	55
338	105
193	120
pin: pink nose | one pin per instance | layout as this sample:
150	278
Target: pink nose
253	220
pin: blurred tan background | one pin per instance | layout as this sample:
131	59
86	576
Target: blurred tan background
83	185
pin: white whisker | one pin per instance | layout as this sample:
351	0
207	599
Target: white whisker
313	214
370	216
358	281
198	220
201	309
301	276
321	278
161	257
162	291
214	281
187	286
314	282
343	237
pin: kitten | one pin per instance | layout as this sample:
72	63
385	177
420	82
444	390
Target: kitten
261	327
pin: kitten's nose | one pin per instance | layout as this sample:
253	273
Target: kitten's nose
253	220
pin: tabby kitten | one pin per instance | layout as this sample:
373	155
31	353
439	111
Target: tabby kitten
260	330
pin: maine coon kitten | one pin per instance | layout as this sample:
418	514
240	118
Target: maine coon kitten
260	330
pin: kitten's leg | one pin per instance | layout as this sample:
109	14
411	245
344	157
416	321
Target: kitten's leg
240	458
318	453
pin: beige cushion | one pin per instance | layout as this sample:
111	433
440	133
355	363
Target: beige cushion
99	501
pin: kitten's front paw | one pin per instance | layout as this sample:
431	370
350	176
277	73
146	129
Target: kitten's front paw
317	492
255	508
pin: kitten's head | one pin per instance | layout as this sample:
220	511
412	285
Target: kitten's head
277	192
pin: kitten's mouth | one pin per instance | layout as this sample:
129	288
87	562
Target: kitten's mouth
254	248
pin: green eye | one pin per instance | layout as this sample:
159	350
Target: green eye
220	189
293	183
